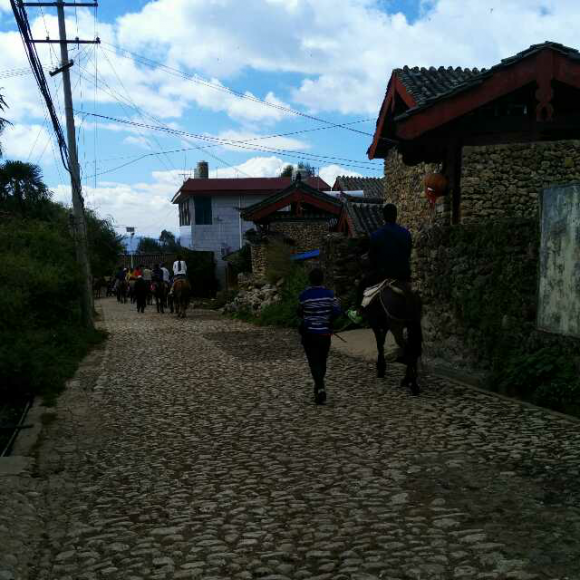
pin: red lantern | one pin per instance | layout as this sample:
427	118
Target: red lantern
435	186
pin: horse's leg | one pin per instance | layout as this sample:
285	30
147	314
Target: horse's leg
410	378
380	335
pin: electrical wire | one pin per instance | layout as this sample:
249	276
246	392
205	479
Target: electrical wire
26	34
242	145
125	53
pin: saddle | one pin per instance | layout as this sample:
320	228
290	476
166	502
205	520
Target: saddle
373	292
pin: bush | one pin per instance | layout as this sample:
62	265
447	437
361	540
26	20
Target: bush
547	377
41	336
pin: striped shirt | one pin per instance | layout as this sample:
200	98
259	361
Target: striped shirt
318	306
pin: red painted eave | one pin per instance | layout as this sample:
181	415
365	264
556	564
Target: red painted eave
395	87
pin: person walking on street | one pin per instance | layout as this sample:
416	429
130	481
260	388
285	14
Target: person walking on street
318	308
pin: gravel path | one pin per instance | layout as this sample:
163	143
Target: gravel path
192	449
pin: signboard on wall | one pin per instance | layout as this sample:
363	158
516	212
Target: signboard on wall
559	283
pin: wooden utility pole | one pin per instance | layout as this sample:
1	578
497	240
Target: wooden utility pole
80	224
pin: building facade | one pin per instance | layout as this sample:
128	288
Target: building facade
210	212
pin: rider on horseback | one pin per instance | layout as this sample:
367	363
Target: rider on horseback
179	271
389	257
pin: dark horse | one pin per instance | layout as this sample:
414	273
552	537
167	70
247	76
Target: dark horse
121	290
398	309
160	294
181	295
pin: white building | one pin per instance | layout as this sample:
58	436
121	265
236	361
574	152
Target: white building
209	210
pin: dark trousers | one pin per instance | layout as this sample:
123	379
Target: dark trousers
316	348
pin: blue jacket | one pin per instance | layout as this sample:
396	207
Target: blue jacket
390	252
318	307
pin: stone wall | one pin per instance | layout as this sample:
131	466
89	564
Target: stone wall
506	180
341	262
258	260
404	186
478	285
306	235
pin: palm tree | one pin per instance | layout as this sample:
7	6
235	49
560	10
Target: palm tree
21	185
3	122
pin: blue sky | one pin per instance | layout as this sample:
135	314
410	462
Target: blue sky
328	61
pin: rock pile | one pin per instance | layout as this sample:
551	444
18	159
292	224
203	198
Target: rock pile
254	294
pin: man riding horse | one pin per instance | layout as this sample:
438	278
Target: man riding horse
389	257
392	305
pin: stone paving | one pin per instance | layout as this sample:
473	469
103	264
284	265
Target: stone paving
192	449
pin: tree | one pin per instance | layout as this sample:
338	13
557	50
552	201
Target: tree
148	246
306	169
287	171
3	122
104	244
168	242
22	188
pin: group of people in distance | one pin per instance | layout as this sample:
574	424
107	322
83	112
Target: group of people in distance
140	280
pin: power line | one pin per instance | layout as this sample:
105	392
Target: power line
115	95
205	82
244	145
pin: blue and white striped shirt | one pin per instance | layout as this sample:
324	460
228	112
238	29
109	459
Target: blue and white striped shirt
318	306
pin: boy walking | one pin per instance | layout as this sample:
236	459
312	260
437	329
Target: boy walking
318	307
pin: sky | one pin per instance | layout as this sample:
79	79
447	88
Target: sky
247	86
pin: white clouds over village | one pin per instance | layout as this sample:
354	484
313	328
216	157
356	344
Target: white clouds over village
320	57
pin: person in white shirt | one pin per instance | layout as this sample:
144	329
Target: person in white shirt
179	272
179	268
166	275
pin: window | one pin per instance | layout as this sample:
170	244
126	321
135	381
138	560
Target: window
184	218
202	211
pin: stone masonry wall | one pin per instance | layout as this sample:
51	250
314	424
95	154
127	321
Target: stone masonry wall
258	261
405	188
507	180
307	235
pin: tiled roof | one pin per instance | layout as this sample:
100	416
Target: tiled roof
372	186
428	85
302	185
366	217
241	186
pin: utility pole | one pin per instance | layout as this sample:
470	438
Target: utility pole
81	239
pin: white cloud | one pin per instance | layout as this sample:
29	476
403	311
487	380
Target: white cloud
331	172
26	143
145	206
345	55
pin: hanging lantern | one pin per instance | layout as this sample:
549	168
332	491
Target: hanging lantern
435	186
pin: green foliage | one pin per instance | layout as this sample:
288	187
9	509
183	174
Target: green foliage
169	244
22	190
492	289
104	245
278	262
547	376
241	261
287	171
149	246
41	336
285	312
3	122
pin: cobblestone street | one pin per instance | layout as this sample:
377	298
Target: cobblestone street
192	449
